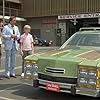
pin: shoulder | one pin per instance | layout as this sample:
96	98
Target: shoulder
22	35
30	35
6	26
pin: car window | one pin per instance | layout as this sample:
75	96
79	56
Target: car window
85	40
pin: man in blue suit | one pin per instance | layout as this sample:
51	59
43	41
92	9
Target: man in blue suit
10	34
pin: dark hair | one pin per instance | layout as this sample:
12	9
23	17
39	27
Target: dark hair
11	18
1	20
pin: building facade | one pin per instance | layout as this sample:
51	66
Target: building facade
57	20
12	8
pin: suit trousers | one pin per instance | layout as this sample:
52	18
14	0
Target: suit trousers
10	61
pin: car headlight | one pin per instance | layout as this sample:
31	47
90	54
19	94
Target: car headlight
35	66
92	73
28	69
83	72
92	81
31	70
28	65
35	70
88	76
83	80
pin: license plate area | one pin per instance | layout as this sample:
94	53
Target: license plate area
53	87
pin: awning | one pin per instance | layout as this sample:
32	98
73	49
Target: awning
15	1
17	18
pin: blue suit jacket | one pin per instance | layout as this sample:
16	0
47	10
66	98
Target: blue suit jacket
7	33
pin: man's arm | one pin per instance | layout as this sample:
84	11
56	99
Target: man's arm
18	34
4	34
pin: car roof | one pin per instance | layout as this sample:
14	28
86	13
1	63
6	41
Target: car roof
89	30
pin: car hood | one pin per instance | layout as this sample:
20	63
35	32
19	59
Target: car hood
88	54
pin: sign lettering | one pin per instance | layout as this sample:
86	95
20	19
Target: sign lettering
79	16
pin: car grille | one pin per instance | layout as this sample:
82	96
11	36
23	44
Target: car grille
57	79
55	70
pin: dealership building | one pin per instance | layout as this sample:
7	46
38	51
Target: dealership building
54	20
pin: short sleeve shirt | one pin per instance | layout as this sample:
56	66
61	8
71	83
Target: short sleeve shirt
26	40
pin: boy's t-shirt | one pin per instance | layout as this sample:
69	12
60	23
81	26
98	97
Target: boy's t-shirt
26	40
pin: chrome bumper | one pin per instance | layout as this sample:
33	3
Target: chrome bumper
67	88
88	92
70	88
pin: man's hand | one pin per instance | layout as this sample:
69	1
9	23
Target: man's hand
14	36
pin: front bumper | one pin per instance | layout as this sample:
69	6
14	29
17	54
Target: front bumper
68	88
88	92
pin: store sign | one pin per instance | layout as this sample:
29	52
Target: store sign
79	16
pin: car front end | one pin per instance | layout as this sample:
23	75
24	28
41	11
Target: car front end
74	68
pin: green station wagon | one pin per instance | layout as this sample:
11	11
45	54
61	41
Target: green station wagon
73	68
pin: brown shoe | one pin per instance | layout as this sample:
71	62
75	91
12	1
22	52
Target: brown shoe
8	77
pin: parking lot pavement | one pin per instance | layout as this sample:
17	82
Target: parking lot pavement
15	89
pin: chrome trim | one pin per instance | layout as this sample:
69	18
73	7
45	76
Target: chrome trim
55	70
55	75
65	91
62	85
60	90
88	92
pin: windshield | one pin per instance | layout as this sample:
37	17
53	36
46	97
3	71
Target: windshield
84	40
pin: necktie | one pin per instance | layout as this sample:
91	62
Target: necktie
13	32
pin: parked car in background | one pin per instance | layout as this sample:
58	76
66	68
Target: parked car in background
41	42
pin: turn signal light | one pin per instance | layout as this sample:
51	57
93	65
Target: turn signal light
98	83
98	72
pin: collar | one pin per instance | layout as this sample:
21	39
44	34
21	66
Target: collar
26	34
10	25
